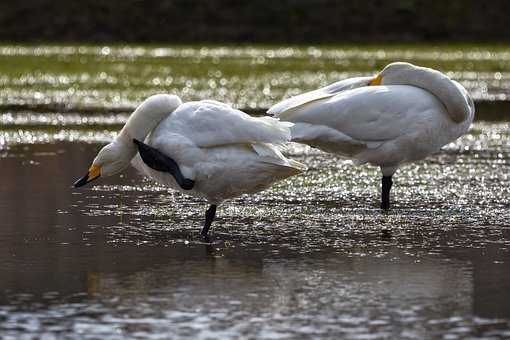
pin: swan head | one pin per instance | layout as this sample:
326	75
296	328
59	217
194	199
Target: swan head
111	159
116	156
393	73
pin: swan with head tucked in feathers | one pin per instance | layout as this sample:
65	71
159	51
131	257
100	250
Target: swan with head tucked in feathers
403	114
204	148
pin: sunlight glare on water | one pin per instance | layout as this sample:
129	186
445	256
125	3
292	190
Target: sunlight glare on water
105	78
311	257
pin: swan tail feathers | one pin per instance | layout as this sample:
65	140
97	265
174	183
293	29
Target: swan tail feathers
271	154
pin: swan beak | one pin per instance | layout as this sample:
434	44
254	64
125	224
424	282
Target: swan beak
93	173
376	81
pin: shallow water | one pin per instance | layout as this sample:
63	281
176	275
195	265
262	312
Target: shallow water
313	256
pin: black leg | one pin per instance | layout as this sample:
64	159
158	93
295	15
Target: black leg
209	217
158	161
385	192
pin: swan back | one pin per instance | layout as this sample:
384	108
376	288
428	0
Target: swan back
284	109
453	95
209	123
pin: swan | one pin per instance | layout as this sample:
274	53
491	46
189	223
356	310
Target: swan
203	148
401	115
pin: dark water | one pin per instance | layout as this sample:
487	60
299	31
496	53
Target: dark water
312	257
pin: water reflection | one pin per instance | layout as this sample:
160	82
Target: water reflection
306	258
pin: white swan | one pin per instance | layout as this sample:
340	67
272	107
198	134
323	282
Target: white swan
204	148
403	114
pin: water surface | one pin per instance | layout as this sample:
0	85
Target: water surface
311	257
108	78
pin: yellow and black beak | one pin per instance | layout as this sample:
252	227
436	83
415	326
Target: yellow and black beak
93	173
376	81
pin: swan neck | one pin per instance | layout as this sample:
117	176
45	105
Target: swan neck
451	94
147	116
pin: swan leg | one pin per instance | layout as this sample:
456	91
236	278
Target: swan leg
385	192
209	217
158	161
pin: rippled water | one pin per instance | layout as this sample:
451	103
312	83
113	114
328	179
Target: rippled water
311	257
103	78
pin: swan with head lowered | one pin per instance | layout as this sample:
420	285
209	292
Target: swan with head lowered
403	114
204	148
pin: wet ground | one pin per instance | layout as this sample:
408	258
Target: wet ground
311	257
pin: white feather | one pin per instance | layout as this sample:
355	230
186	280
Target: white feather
285	107
382	125
225	151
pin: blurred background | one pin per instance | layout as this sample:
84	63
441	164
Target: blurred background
230	21
92	56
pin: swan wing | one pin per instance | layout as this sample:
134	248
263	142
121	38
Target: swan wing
195	131
368	115
210	123
285	108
